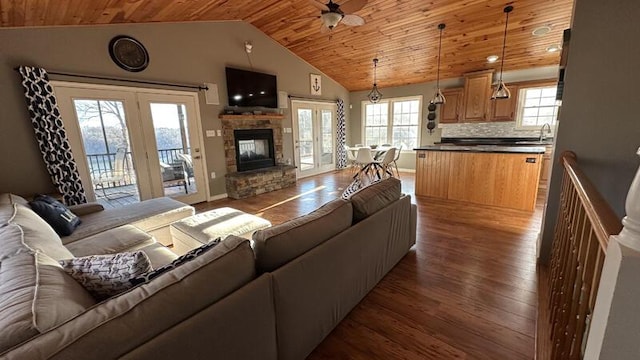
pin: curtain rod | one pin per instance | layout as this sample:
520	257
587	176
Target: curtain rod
184	86
296	97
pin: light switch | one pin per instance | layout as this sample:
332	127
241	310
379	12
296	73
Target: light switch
219	132
211	133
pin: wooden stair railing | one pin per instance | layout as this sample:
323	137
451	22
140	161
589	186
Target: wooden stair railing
585	222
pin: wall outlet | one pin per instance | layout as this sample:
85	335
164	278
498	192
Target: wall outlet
219	132
211	133
213	175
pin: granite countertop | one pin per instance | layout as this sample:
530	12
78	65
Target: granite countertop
512	141
486	148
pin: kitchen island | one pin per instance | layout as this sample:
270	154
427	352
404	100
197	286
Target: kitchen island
497	175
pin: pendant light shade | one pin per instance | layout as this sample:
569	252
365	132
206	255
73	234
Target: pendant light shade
375	95
501	91
439	98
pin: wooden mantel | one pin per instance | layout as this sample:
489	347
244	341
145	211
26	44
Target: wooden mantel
252	117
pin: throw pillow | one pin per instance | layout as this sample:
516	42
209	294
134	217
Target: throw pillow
107	275
61	219
144	278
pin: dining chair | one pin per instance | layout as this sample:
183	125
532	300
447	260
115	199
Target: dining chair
364	158
395	160
387	161
351	158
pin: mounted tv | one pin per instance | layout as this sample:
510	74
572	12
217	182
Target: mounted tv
251	89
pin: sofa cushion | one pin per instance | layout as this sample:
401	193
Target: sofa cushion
61	219
280	244
149	275
374	197
120	239
24	231
10	199
158	254
146	215
104	276
35	296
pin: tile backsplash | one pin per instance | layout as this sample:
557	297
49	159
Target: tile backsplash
492	129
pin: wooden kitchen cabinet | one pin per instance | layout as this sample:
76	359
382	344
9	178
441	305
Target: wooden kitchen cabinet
451	110
477	92
546	167
508	180
505	109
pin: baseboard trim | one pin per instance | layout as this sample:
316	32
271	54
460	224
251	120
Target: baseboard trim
407	170
217	197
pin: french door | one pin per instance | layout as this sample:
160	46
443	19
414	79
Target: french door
133	144
314	132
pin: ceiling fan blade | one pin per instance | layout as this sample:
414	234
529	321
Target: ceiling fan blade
352	20
319	5
351	6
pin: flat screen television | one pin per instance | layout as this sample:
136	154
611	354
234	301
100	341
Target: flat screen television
249	88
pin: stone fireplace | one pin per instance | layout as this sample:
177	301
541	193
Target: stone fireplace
253	153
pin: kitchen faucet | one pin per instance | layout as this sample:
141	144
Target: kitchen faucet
542	136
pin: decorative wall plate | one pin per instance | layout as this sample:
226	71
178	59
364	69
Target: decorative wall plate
128	53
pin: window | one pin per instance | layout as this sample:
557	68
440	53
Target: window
536	107
393	121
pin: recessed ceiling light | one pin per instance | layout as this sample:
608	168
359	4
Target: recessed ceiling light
553	48
492	58
542	30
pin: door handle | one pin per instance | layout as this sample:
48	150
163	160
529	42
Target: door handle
197	157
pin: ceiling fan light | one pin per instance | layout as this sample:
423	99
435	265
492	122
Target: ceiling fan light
331	19
500	91
439	98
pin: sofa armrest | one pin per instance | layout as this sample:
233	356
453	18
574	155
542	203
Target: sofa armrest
87	208
120	324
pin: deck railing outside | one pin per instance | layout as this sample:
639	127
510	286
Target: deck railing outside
101	163
585	222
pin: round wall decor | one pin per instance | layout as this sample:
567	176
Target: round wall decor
128	53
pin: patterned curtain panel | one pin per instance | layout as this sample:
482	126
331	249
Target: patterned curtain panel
51	136
341	137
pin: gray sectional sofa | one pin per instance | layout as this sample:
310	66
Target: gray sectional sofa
275	297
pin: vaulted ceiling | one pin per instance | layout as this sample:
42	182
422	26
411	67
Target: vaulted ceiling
403	34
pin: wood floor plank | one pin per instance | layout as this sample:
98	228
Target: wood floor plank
466	290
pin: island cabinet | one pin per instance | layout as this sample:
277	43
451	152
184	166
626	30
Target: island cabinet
504	179
451	110
477	92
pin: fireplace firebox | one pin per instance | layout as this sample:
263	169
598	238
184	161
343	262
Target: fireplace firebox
254	149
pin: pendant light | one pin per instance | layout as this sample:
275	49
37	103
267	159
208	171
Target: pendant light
501	91
439	98
375	95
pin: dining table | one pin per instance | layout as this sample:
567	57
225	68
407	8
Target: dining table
376	152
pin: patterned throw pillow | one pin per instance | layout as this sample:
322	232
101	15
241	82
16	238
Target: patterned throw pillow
144	278
356	185
107	275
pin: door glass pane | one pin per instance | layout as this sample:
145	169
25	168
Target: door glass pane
105	138
326	129
174	151
305	139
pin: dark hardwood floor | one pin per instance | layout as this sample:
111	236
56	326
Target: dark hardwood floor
466	290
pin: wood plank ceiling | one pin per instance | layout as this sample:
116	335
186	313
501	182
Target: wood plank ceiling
403	34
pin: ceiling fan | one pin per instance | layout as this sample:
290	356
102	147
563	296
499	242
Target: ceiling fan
333	14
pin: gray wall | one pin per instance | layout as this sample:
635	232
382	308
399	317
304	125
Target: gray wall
427	90
179	52
599	118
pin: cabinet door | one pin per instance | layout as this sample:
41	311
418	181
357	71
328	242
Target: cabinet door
450	111
477	91
505	109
